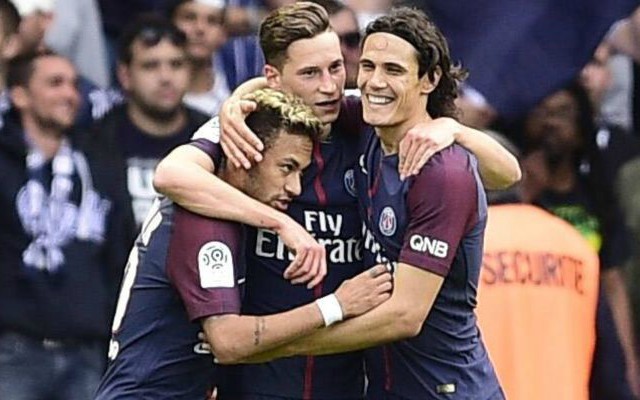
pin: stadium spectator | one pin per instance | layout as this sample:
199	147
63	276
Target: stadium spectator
570	171
63	240
153	70
203	24
36	20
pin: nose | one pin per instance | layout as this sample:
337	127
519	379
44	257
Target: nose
165	72
293	186
70	91
328	84
376	79
200	25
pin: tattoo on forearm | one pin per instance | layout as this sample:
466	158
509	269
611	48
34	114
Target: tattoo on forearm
260	327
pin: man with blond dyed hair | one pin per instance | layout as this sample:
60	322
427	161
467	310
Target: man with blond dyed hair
186	273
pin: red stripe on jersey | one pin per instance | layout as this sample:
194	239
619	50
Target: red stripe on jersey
387	368
317	183
308	370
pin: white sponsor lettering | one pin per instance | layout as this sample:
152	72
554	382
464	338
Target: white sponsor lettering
320	221
339	250
372	245
425	244
114	349
215	265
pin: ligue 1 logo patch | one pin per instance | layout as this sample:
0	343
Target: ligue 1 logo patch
350	182
387	222
215	265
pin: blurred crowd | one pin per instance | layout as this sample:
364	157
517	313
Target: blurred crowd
93	93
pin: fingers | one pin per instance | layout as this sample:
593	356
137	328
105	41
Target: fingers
238	149
402	152
233	154
378	270
293	270
409	159
309	266
238	142
322	272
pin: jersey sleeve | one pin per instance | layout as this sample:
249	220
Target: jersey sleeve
442	203
203	262
207	139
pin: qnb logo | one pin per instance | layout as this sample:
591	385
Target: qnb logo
425	244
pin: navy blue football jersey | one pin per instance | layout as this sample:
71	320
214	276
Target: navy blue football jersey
433	221
327	207
183	268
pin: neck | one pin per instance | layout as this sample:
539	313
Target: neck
390	136
155	126
563	177
326	132
202	77
47	141
232	175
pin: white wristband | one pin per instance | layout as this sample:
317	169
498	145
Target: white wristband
330	309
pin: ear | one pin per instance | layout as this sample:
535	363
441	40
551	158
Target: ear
273	76
123	76
427	85
19	97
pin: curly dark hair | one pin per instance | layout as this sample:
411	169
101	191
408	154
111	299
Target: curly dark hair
432	51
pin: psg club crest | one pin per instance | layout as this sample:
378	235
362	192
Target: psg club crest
350	182
387	222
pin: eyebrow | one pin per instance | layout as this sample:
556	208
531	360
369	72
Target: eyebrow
292	161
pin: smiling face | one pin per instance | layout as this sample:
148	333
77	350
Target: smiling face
51	98
392	93
314	70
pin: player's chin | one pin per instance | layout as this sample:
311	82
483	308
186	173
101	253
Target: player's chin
280	205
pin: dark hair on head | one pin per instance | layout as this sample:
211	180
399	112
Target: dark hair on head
332	6
278	111
287	24
9	18
150	29
21	68
172	8
584	119
432	54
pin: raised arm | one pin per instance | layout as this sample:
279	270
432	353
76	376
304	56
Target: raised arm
498	168
186	177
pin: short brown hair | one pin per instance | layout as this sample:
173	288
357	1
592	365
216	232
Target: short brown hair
285	25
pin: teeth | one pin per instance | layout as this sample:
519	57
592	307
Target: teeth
378	99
